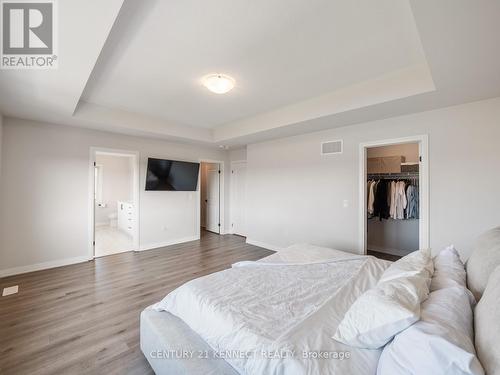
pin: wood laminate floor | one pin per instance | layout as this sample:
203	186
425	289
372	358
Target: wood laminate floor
384	256
84	318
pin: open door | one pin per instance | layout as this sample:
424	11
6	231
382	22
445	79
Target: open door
212	200
238	202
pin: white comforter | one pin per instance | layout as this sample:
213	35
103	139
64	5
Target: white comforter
278	318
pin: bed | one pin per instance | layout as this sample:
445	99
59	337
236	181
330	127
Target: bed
273	316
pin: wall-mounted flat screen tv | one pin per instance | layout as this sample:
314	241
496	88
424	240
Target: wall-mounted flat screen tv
171	175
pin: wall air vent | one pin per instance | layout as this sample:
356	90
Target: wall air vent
332	147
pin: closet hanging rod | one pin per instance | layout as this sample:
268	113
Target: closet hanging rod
394	175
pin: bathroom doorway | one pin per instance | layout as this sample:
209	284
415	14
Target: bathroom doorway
114	203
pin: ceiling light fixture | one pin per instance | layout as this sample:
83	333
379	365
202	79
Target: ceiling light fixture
218	83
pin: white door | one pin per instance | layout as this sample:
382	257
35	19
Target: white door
213	199
238	213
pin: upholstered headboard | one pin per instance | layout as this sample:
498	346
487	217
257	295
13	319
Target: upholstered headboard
483	279
487	325
483	260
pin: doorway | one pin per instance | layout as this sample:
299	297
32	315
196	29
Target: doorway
211	197
114	202
394	197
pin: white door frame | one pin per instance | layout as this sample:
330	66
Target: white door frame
424	228
135	194
231	194
221	195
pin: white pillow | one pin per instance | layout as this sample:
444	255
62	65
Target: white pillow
449	270
440	343
392	306
381	312
417	263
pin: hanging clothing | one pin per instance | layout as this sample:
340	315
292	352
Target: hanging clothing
381	206
400	201
395	199
368	187
372	188
392	199
413	202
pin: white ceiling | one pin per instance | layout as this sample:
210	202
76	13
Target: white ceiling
299	66
280	52
42	94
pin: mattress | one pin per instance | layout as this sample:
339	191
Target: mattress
172	348
306	253
243	322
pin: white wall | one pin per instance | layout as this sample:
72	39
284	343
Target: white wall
238	154
45	193
398	237
117	172
296	195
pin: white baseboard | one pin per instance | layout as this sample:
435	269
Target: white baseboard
387	250
65	262
167	243
264	245
42	266
230	231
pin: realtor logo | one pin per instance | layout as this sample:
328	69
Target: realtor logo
28	34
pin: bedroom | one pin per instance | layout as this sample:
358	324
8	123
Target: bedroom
144	81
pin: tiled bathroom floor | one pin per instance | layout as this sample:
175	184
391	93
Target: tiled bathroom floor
110	240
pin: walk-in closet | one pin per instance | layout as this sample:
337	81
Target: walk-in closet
392	200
